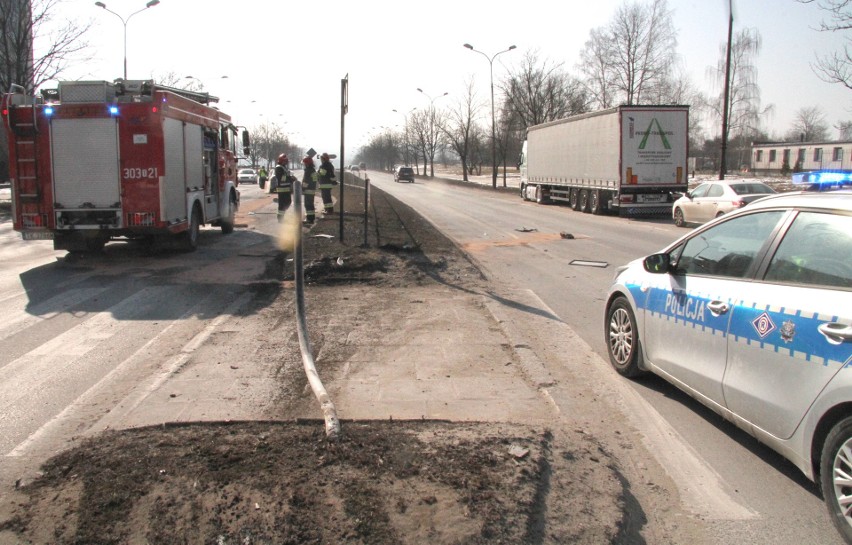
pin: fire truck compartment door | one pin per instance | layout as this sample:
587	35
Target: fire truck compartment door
184	174
85	163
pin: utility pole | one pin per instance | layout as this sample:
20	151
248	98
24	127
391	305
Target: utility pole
723	167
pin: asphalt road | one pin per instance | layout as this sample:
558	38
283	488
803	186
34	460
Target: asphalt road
58	313
744	492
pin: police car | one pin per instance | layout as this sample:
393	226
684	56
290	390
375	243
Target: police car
751	314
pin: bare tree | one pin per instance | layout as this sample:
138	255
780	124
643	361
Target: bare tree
809	125
596	60
835	67
628	61
269	141
744	109
22	22
844	129
540	92
426	126
460	125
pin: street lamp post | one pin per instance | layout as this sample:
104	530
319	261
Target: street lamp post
124	21
431	125
493	120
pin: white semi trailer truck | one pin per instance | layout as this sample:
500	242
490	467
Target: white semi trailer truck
629	160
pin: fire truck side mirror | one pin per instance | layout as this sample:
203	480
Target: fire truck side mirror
246	144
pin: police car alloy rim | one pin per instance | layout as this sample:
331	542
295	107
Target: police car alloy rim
842	479
621	336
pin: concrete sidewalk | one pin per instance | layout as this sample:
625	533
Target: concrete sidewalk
445	355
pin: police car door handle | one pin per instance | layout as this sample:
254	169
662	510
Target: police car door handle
835	333
718	307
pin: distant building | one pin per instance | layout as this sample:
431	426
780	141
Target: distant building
774	158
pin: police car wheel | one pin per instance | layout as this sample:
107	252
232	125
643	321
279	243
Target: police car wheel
622	338
835	468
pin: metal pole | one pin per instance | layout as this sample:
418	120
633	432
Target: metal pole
124	22
366	207
344	108
723	167
493	117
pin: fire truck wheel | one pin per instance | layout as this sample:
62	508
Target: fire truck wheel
227	222
190	236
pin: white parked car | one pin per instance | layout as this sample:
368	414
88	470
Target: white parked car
712	199
751	314
247	176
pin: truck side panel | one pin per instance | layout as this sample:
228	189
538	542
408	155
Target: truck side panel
570	151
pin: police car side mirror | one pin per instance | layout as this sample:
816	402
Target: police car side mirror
657	263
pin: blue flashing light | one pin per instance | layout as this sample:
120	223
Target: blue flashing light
48	110
113	110
823	177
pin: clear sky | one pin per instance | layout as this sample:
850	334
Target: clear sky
285	60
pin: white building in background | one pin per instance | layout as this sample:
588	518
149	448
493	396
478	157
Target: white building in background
773	158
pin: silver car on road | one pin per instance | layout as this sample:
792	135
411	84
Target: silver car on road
751	314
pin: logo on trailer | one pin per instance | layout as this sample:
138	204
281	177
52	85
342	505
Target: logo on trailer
660	132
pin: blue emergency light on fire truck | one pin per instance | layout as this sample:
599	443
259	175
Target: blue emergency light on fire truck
94	161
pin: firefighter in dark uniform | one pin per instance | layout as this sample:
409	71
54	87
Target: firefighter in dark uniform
309	188
282	185
326	182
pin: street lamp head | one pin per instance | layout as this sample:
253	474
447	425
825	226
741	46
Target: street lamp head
511	47
152	3
100	5
468	46
419	89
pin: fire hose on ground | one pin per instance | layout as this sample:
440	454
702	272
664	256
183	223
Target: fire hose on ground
291	238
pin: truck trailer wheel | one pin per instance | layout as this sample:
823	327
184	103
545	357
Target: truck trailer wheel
595	202
574	199
584	201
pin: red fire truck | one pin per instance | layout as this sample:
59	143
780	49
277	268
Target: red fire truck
94	161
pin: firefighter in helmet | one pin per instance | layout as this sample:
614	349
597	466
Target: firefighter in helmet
309	188
282	185
326	182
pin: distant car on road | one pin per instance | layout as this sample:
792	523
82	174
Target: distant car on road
712	199
247	176
403	173
751	314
